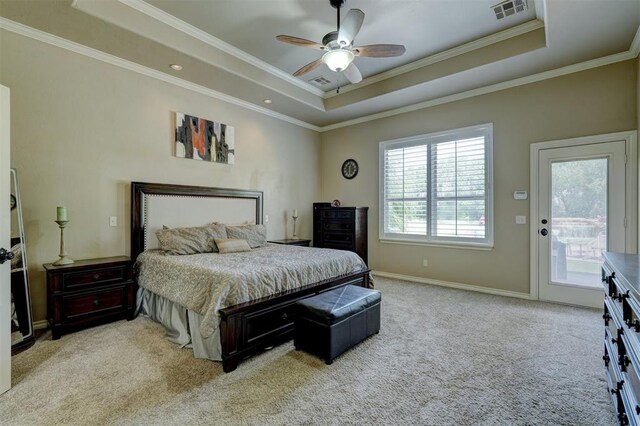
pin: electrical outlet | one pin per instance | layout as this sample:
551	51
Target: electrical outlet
113	220
521	220
425	262
266	218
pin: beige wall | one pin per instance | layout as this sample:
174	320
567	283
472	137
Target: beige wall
592	102
82	130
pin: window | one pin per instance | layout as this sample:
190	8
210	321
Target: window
437	188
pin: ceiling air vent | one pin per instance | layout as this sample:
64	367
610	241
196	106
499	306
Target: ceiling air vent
509	7
319	81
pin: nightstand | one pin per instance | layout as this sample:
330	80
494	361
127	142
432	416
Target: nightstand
89	292
292	242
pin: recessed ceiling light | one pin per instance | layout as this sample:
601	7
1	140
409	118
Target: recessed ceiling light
268	101
176	67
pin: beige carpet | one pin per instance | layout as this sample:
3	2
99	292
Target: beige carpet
442	357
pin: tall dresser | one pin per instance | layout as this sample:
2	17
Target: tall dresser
621	278
343	228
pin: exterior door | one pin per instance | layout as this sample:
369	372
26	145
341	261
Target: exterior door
581	213
5	240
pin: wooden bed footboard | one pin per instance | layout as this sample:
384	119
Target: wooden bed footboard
251	327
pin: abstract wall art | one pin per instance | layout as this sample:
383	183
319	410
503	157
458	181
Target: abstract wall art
205	140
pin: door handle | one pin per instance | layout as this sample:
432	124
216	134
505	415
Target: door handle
544	232
6	255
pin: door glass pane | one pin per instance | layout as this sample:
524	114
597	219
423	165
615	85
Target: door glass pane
578	220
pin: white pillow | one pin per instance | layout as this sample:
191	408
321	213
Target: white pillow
232	245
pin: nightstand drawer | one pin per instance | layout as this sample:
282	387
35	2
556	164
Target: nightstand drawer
93	303
98	276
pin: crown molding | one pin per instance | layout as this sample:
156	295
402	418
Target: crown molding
570	69
178	24
53	40
541	14
635	44
443	56
71	46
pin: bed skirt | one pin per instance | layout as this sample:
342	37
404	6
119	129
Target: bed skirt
182	325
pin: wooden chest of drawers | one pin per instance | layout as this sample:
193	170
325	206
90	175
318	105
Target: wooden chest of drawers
343	228
89	292
620	275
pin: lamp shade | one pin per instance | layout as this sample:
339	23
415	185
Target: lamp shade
338	59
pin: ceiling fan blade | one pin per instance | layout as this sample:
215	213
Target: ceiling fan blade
352	73
350	26
309	67
379	50
299	42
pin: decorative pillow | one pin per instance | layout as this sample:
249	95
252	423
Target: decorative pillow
230	245
199	239
256	235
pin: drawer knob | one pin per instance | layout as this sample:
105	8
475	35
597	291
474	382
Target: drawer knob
634	324
96	302
623	362
623	419
284	316
96	277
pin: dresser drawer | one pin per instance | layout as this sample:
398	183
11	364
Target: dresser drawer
612	319
337	214
338	225
79	280
338	237
631	387
98	302
628	414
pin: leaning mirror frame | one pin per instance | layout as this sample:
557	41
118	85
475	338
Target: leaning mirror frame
21	316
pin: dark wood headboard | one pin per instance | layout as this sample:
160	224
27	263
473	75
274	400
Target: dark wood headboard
139	190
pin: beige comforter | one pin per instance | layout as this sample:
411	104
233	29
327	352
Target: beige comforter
208	282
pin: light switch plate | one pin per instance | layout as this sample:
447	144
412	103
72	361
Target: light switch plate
520	195
521	220
113	220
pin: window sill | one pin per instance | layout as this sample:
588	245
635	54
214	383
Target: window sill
462	246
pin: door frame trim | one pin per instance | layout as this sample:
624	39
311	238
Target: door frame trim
5	231
631	192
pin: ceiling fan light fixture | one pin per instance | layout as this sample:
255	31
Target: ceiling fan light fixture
338	59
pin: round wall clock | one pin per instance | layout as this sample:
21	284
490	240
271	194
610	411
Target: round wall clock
349	168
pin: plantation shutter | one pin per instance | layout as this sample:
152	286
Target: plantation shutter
436	188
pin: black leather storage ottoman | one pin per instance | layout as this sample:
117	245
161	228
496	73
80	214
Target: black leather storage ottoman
329	323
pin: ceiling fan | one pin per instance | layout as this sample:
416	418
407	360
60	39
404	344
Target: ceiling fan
338	46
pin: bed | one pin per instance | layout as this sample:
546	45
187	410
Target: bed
250	307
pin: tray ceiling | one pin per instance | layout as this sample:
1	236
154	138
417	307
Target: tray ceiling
228	48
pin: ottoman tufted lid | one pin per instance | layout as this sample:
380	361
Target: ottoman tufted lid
335	305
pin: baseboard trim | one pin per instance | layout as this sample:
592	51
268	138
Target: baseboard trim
450	284
40	325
